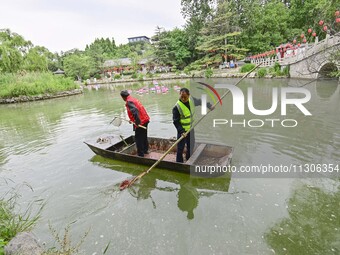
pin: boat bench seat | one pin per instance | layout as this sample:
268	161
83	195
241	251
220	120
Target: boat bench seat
196	154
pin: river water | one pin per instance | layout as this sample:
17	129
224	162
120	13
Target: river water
41	144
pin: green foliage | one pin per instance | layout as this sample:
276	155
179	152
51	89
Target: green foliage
134	75
2	245
209	73
286	71
117	76
140	77
306	14
262	72
13	48
30	84
171	47
247	68
37	59
16	54
97	76
219	35
277	67
101	49
267	26
196	13
149	75
187	70
276	70
128	72
78	66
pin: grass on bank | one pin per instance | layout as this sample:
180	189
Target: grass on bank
13	222
33	84
14	219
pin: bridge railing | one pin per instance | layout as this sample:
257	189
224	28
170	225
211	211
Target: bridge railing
329	41
300	53
266	62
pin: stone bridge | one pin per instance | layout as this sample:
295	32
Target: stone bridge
311	62
316	61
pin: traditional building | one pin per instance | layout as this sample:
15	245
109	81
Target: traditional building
139	39
119	65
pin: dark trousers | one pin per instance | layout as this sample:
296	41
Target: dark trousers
189	140
141	138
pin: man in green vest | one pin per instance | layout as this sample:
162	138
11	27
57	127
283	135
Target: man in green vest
182	115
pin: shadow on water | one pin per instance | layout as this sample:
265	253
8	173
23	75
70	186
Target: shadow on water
189	189
313	225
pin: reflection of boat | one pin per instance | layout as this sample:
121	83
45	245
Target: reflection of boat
187	188
124	149
170	181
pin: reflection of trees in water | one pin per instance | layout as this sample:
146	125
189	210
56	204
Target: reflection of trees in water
313	225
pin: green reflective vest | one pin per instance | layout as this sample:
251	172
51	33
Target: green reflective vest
186	115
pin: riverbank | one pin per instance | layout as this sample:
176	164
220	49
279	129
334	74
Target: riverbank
221	73
23	99
226	73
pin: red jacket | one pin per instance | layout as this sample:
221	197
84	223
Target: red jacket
136	111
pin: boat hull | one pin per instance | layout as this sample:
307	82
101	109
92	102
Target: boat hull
205	154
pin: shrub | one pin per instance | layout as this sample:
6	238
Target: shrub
247	67
128	72
187	70
209	72
173	69
277	67
286	71
149	75
134	75
140	77
97	76
262	72
117	76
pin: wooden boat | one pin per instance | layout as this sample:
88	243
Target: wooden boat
205	154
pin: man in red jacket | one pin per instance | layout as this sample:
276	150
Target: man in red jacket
139	116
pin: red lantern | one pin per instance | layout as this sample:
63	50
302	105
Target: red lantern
302	35
304	40
294	41
321	22
337	20
309	30
337	13
325	28
314	34
299	44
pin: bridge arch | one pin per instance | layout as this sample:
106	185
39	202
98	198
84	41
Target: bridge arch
326	69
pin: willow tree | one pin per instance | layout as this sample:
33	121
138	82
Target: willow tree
12	49
38	58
